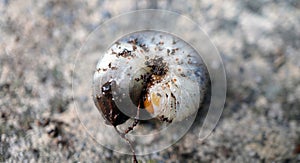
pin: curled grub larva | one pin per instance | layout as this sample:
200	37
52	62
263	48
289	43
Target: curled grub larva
149	74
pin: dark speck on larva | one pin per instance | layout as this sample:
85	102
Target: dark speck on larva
134	47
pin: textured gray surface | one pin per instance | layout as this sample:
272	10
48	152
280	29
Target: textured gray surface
259	42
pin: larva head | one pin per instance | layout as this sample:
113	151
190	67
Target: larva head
107	106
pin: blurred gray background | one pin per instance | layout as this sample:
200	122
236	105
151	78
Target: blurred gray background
259	42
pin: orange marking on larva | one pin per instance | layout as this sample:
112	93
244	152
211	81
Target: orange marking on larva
155	99
148	105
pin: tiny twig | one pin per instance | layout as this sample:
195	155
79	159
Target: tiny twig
136	121
131	127
129	142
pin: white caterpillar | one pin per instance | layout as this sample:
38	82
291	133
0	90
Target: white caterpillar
157	72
